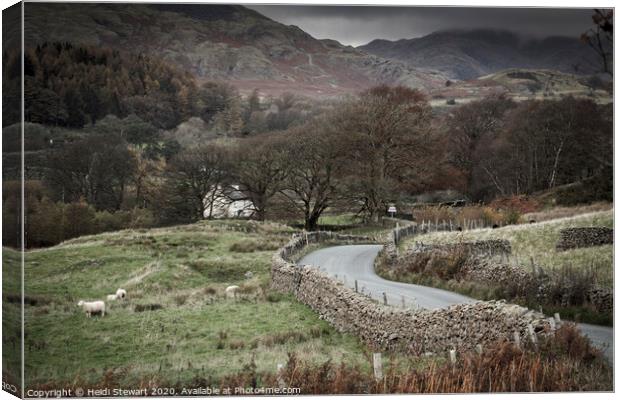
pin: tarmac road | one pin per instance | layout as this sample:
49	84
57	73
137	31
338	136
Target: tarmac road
356	263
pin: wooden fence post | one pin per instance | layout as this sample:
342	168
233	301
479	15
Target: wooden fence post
385	302
402	298
377	366
479	348
356	286
281	382
552	324
517	339
453	356
533	336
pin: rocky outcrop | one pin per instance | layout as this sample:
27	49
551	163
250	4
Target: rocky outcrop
459	327
573	238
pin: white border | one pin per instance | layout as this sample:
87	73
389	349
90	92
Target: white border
462	3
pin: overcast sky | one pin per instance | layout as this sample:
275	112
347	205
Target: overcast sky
357	25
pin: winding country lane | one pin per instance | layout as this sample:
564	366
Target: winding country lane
356	263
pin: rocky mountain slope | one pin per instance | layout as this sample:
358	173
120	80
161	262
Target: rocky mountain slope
471	54
223	42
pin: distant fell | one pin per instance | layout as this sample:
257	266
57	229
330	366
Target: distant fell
470	54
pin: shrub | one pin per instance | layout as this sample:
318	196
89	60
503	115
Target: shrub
106	221
147	307
79	218
274	297
236	344
521	203
446	265
250	246
45	226
180	299
432	214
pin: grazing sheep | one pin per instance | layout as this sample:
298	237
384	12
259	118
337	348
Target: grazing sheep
121	294
92	307
111	297
231	291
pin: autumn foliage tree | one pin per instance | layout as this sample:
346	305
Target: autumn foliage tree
388	140
71	85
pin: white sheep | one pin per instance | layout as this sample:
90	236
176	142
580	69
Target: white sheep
92	307
231	291
111	297
249	275
121	294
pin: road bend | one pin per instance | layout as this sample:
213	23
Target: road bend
352	263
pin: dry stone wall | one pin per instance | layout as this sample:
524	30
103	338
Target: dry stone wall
392	239
459	327
572	238
481	268
602	298
477	248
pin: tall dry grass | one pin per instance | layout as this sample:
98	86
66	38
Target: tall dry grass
480	216
565	212
564	361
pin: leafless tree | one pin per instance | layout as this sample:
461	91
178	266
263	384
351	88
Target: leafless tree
259	169
387	133
600	38
315	159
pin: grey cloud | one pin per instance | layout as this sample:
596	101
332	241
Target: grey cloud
356	25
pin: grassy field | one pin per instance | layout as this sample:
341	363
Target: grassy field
189	329
177	327
537	242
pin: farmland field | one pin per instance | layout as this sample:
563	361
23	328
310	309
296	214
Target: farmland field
537	242
176	321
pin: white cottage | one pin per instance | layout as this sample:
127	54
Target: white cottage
228	202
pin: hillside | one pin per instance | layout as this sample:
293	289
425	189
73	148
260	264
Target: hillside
176	324
524	84
229	43
537	242
471	54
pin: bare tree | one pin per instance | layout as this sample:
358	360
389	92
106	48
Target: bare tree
469	126
189	178
387	133
314	158
600	38
543	144
259	169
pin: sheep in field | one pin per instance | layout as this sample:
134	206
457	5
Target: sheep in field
231	291
92	307
111	297
121	294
